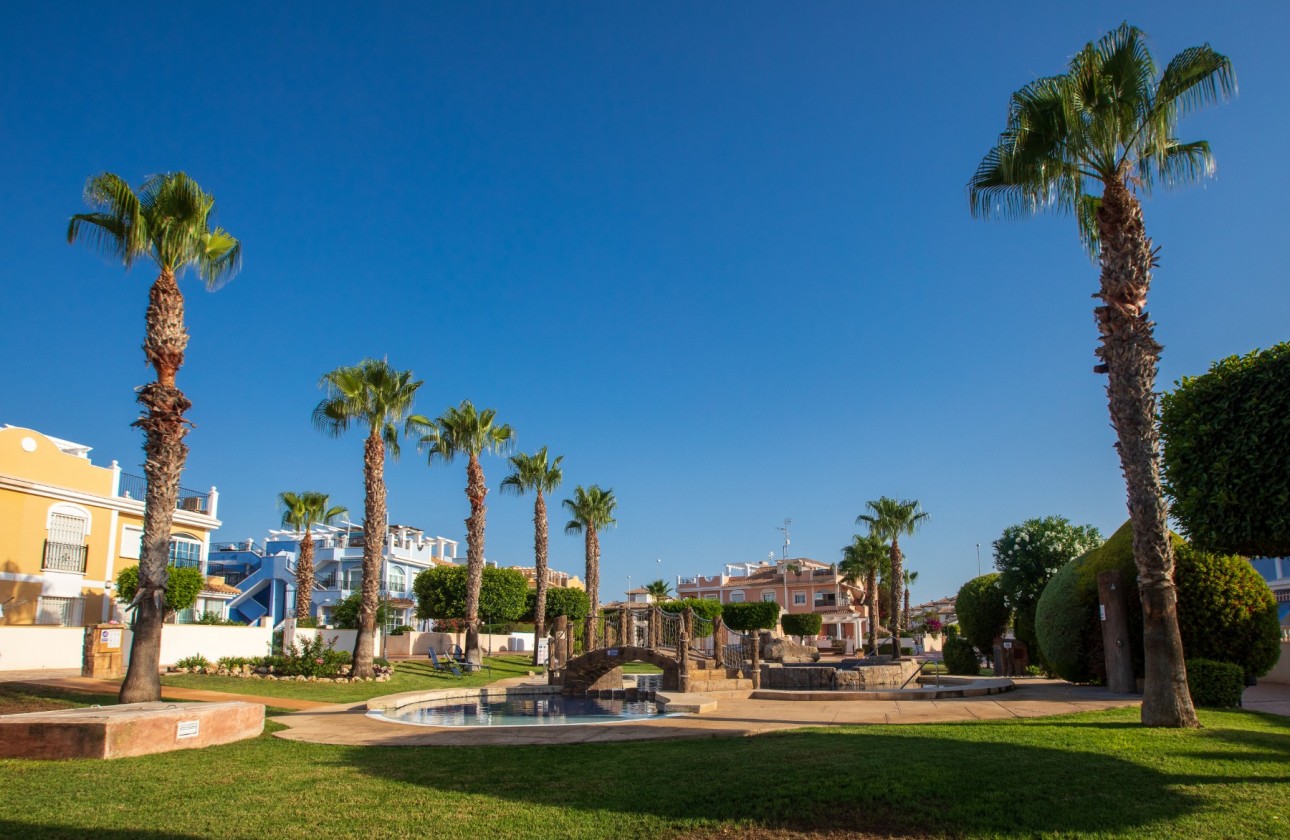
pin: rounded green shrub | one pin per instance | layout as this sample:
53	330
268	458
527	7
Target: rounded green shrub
802	624
960	657
1062	627
983	611
753	615
183	585
1215	684
1226	612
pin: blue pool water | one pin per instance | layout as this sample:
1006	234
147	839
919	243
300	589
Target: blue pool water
540	710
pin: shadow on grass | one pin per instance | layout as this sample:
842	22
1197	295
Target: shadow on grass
876	782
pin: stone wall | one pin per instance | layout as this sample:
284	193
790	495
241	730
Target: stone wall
829	678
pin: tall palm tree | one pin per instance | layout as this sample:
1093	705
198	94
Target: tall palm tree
592	510
910	577
168	221
1088	142
375	396
865	559
463	430
659	589
302	511
541	474
888	520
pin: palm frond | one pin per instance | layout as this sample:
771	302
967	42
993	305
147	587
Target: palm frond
1196	77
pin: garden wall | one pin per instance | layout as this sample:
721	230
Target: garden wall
1280	673
417	644
344	638
27	648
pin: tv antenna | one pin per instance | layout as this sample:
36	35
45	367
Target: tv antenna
784	528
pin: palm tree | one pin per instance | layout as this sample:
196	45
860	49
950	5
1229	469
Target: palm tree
888	519
541	474
465	431
865	559
167	220
1087	142
374	395
910	577
659	589
302	511
592	510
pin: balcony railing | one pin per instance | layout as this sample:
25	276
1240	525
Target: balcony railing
136	487
64	557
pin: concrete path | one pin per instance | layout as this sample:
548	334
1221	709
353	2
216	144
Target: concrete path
1273	698
733	717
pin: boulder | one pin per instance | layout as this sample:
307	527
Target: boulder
786	650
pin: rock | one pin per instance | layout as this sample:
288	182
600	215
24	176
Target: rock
785	650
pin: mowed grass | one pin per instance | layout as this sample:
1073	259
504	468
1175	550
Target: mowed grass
1088	775
409	675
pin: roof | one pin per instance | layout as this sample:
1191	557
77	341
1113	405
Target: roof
215	585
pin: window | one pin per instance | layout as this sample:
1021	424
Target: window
185	552
394	618
768	595
799	598
398	579
65	543
825	599
131	542
737	597
353	578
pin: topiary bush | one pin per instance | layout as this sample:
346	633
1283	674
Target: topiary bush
802	624
183	585
1062	626
1226	612
1226	462
750	616
1215	684
960	657
983	612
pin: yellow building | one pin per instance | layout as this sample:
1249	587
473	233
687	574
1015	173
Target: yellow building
68	527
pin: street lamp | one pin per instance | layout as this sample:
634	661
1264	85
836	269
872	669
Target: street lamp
978	559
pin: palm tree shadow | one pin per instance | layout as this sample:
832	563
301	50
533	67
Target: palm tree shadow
859	781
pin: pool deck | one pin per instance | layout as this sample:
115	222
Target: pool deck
350	725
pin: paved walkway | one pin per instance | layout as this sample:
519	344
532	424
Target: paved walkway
1273	698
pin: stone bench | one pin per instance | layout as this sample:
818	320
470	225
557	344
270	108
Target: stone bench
127	730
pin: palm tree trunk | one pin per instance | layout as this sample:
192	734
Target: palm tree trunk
305	576
897	576
475	491
374	513
593	587
873	610
1130	357
164	428
540	546
906	622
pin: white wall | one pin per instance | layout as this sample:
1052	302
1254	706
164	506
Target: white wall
419	644
1279	674
344	638
210	640
31	647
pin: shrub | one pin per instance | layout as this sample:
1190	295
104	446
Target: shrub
572	603
235	662
183	585
802	624
441	593
750	616
401	629
703	608
1226	465
193	662
1226	611
211	617
983	612
317	657
1066	639
1216	684
960	657
345	614
309	622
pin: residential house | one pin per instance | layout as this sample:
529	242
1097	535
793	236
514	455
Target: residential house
1276	571
563	580
266	575
67	527
798	585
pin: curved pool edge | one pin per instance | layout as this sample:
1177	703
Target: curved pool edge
407	698
950	689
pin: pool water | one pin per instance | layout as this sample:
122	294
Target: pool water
543	710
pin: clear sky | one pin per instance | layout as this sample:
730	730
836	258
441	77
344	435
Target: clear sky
718	255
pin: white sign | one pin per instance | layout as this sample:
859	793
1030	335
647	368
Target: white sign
543	651
110	639
188	729
1101	608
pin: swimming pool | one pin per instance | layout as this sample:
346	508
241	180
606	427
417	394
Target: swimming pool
522	710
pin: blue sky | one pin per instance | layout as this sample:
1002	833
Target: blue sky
718	255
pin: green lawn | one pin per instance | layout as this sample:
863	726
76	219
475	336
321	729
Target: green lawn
1088	775
412	675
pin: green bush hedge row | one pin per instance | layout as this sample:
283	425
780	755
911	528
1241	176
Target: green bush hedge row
1215	684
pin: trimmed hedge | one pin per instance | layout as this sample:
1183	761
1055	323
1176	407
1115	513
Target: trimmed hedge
1215	684
983	611
183	585
1069	645
802	624
1226	461
753	615
573	603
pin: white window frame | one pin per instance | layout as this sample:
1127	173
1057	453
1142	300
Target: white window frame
131	549
172	558
737	597
402	582
799	599
768	595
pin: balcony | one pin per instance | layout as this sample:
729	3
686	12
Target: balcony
64	557
136	487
